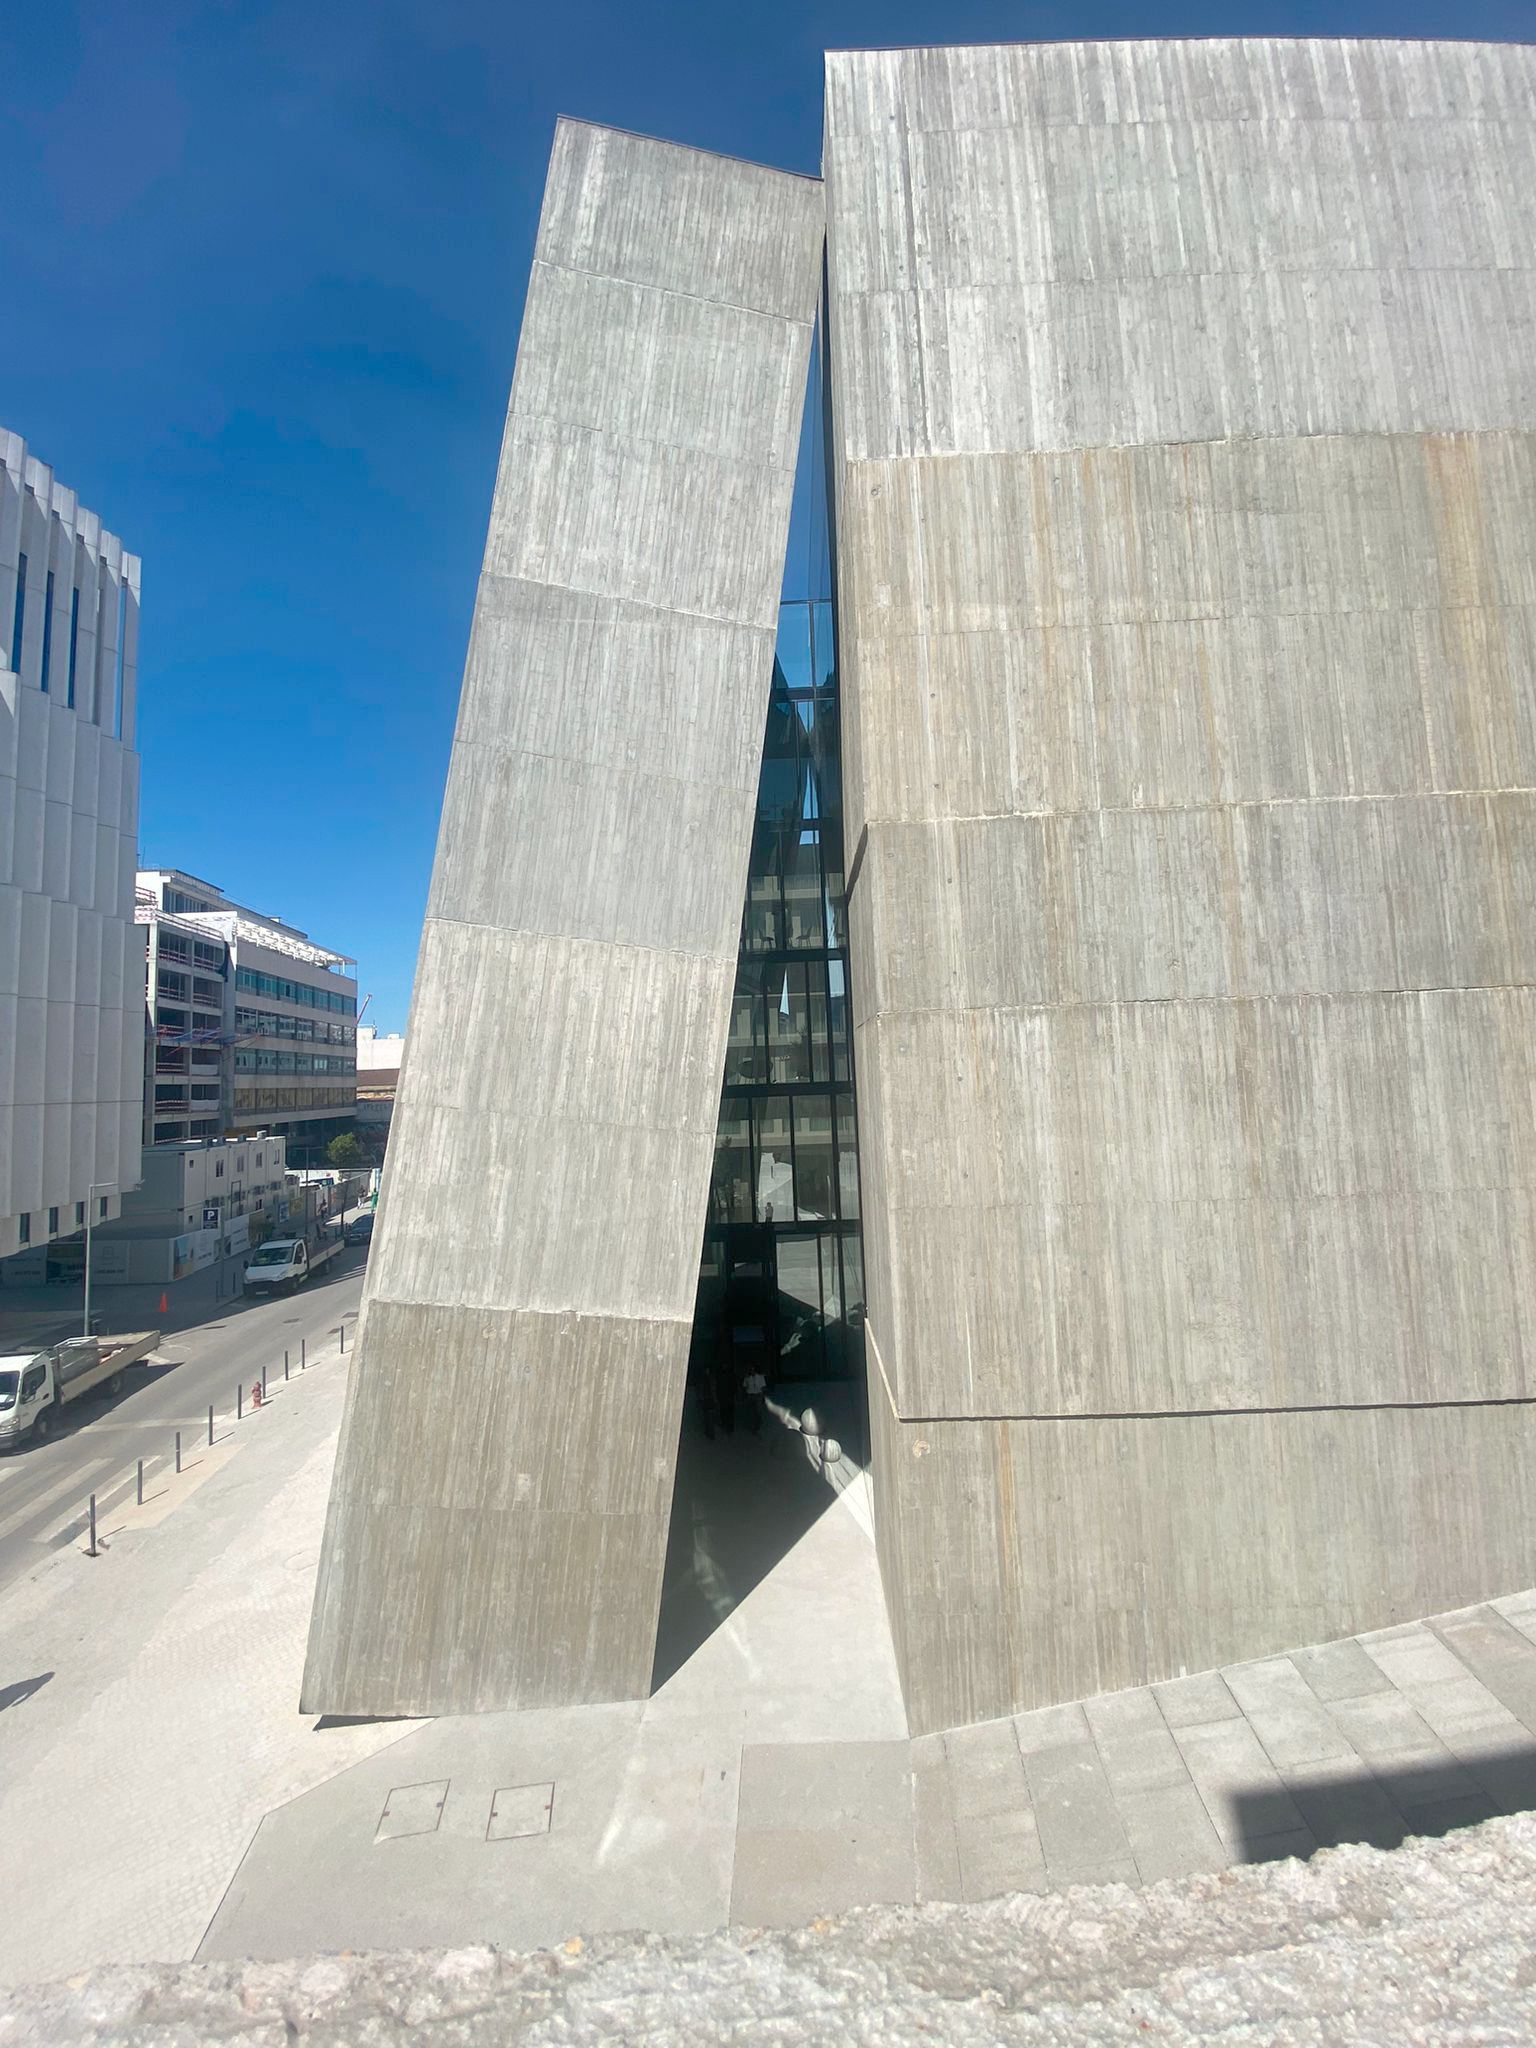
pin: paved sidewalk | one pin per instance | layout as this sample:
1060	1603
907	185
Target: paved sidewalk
155	1772
149	1700
770	1779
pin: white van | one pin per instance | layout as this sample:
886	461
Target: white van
281	1263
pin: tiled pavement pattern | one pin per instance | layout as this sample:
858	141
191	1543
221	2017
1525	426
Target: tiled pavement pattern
1411	1730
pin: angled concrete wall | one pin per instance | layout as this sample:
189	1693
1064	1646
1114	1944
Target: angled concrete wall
1185	477
499	1514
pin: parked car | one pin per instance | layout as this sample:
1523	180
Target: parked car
284	1263
359	1230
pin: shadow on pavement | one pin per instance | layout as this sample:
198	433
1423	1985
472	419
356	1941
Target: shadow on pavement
1385	1806
23	1689
356	1721
740	1503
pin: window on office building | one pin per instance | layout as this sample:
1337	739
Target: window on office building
47	628
79	1215
19	620
24	1228
53	1222
74	644
101	1208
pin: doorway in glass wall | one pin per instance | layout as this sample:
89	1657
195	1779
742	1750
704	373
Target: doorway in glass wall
781	1282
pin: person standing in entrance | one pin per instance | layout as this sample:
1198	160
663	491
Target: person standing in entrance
755	1387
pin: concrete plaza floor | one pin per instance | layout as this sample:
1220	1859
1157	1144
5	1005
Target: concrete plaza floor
155	1771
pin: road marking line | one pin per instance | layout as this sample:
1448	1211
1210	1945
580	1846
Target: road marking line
81	1482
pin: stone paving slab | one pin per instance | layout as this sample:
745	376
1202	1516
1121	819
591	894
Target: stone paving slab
1368	1741
769	1781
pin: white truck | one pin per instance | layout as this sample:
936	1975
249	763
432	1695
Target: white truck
36	1385
285	1262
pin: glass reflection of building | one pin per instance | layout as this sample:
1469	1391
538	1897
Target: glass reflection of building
783	1259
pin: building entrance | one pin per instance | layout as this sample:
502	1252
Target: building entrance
781	1280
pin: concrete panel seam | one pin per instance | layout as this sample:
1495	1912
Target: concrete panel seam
668	291
470	924
654	778
710	156
607	1315
1298	995
1339	1407
876	819
662	611
918	459
1107	615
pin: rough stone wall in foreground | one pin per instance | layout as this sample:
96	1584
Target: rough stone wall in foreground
1429	1942
499	1516
1185	477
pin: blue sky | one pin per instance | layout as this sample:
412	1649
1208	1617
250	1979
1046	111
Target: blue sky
263	268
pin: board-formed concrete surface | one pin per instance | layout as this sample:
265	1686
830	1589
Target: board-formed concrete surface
1185	476
500	1512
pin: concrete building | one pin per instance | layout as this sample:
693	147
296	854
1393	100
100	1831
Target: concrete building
1185	475
542	1212
71	1022
259	1038
1182	448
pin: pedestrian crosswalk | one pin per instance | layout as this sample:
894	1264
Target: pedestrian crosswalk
36	1508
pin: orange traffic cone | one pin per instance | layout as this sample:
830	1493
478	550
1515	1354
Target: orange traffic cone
164	1302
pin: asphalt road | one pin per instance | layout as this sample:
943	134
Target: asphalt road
45	1487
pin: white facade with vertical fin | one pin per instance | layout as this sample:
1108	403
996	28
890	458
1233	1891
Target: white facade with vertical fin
71	974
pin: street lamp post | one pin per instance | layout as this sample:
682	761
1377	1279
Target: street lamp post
100	1187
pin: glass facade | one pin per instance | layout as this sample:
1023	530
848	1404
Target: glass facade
782	1268
251	981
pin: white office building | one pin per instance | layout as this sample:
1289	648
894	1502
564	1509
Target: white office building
251	1022
379	1050
71	1005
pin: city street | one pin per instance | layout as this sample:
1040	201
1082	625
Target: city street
45	1487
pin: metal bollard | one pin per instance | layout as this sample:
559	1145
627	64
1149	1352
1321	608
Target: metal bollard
303	1360
285	1365
139	1496
239	1399
92	1551
210	1422
263	1383
178	1450
343	1340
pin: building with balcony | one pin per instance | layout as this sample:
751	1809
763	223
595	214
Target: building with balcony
71	1030
188	1049
252	1025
